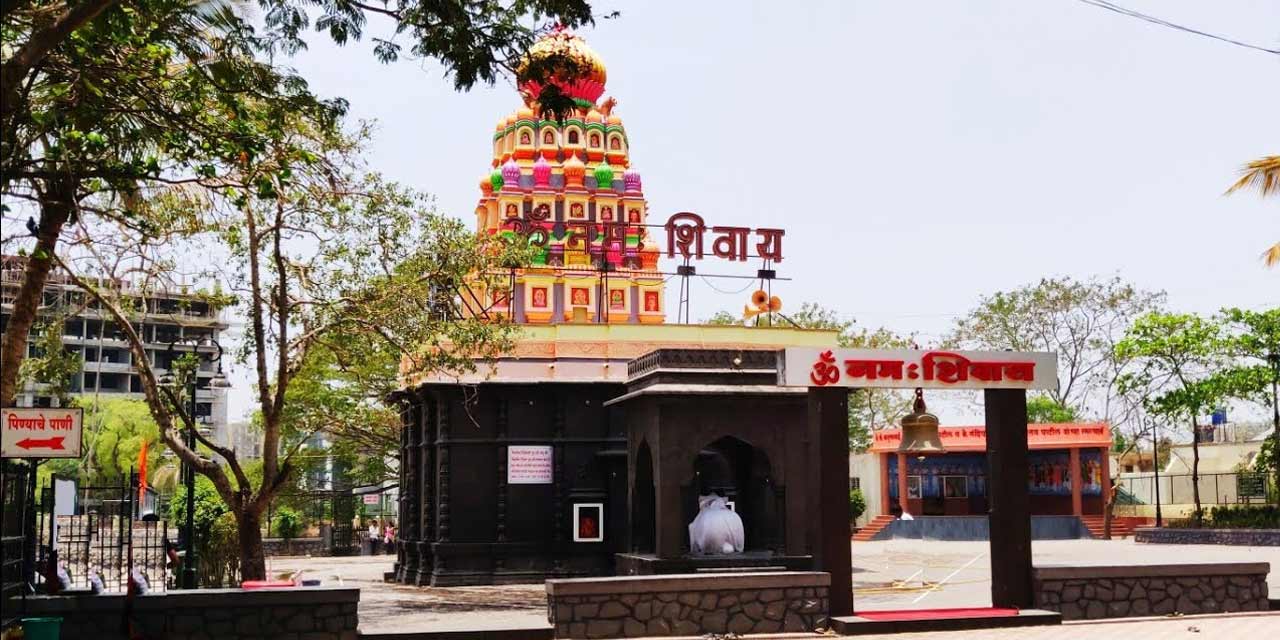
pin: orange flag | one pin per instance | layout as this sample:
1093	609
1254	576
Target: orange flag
142	473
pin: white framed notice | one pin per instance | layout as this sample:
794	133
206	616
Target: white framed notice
588	522
529	464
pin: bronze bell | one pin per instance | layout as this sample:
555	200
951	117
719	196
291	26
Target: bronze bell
920	430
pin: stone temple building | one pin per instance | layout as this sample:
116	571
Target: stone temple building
523	471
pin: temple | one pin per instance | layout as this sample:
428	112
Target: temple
569	186
550	461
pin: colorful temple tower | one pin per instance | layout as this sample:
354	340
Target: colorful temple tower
570	188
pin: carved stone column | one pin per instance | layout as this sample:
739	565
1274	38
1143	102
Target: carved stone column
557	480
442	471
501	429
424	486
407	535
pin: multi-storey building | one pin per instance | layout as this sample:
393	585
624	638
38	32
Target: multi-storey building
108	369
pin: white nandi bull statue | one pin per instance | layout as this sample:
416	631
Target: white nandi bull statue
717	529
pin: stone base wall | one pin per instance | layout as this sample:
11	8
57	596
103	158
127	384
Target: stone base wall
295	547
1244	537
688	605
303	613
1081	593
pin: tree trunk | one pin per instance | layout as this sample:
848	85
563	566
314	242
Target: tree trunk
56	206
1195	471
253	565
1109	508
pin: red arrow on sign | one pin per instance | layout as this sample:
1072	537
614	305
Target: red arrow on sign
47	443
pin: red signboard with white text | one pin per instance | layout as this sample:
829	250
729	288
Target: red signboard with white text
1039	436
41	433
903	368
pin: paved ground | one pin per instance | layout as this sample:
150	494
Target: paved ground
915	574
387	607
891	574
1240	626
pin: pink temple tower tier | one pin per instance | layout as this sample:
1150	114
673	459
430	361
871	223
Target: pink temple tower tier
572	180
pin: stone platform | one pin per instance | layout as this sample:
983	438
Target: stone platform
688	605
315	613
1241	537
1093	592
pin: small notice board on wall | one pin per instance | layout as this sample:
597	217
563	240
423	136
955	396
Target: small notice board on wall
529	464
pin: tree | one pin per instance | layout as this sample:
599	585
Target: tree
325	261
1177	354
35	28
115	429
1263	175
477	41
142	93
869	409
1078	320
1045	410
1253	341
105	96
52	366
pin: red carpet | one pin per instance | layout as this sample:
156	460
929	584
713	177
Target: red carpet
935	614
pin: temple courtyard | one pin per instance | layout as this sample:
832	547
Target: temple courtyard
890	574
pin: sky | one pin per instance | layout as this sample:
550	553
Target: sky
919	155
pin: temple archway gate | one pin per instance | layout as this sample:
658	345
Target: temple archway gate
1004	377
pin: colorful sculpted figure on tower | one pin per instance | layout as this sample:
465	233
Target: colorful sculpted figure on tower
546	186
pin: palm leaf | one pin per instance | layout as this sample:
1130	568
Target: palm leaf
1271	257
1262	174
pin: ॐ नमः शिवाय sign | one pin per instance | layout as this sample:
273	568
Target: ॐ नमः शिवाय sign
905	368
41	433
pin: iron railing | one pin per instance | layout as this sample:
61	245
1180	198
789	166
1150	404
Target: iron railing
1244	487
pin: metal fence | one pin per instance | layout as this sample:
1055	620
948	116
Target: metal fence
16	555
329	514
101	534
1215	488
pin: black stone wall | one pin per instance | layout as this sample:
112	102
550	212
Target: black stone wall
462	523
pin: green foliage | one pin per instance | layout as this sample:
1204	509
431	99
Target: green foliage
1178	356
53	365
288	523
115	429
1245	517
1178	352
1266	459
475	42
857	504
1042	409
216	540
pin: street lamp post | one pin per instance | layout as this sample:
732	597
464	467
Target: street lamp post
219	381
1273	358
1155	464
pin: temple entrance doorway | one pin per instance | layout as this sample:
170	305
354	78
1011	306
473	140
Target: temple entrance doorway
643	502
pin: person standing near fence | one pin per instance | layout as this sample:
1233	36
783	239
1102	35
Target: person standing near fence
373	537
